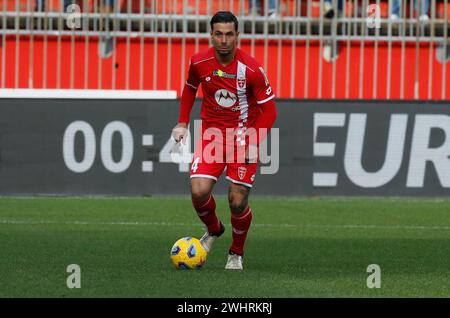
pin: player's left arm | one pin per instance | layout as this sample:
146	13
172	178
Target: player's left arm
267	114
266	119
267	110
262	126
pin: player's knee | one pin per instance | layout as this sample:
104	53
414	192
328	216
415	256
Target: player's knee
199	192
237	204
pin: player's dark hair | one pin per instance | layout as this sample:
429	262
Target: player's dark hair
224	17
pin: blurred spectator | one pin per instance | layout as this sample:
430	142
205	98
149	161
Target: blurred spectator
331	47
41	7
443	52
106	43
423	11
256	8
329	10
107	6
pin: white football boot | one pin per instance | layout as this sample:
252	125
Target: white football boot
234	262
208	238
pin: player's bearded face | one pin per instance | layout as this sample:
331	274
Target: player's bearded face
224	38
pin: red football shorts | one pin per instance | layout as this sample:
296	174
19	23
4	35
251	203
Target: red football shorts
211	159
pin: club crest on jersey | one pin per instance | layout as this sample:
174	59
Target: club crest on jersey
225	98
241	82
241	172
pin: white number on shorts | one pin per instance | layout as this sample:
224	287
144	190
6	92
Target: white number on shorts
195	164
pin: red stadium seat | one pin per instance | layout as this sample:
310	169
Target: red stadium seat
177	7
92	5
288	8
18	5
52	5
440	11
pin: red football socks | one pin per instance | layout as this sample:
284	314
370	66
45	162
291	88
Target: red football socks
241	224
206	211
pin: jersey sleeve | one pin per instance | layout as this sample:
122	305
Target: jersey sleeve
189	94
193	80
262	90
264	121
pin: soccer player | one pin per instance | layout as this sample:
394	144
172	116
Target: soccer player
237	97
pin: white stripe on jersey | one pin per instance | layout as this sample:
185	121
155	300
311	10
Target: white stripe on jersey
242	96
191	86
210	58
265	100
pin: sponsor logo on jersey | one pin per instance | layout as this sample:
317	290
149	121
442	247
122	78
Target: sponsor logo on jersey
225	98
241	82
241	172
221	73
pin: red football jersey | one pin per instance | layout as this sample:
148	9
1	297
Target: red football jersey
232	93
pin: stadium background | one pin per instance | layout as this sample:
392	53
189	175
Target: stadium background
87	111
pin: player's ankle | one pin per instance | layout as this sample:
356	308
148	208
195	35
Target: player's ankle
215	229
218	230
233	251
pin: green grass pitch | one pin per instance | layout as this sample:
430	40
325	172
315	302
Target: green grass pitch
297	247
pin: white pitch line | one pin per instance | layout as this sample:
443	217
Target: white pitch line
44	222
281	225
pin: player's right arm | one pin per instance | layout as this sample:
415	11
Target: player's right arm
179	132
